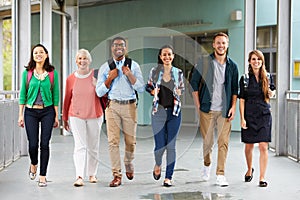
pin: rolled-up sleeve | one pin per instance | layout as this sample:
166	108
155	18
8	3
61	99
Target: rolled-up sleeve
139	85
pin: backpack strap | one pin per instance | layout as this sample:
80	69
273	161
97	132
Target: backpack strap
29	75
51	77
96	73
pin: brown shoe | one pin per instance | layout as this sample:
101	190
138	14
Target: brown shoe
129	171
116	182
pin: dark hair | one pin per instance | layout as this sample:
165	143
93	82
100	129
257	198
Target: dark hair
167	46
117	38
32	64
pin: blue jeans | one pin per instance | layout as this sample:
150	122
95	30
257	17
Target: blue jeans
165	127
32	119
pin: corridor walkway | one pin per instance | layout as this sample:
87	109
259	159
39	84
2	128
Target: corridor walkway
283	174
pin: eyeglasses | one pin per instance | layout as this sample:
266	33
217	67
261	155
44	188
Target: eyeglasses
118	45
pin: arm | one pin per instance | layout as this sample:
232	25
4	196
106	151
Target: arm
231	112
242	114
196	101
135	76
180	88
21	115
67	102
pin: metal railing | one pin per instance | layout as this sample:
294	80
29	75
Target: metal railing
293	124
10	135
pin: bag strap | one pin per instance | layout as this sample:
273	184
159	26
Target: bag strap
29	76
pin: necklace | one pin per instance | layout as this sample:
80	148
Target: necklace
40	77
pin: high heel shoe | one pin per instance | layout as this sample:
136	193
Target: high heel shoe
31	174
249	178
156	176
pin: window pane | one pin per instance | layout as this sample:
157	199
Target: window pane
263	37
267	61
274	36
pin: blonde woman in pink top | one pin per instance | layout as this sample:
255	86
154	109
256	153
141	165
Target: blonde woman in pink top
83	116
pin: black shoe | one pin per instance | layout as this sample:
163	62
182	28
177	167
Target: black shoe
263	184
156	176
249	178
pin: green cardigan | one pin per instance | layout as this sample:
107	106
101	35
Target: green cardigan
50	97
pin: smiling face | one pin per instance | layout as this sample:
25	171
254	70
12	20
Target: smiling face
82	61
167	56
39	55
255	62
220	45
118	49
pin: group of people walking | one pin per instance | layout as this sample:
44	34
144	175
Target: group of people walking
216	89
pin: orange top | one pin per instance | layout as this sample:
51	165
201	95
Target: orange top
81	99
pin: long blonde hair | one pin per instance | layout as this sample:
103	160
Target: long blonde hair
262	73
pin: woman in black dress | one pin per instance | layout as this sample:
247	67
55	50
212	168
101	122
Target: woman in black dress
256	88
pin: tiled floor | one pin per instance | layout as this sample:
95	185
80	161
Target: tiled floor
283	174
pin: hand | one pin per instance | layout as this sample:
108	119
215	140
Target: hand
178	91
243	124
56	123
113	74
66	126
231	114
271	93
21	121
125	70
153	91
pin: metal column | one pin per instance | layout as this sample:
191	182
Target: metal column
46	25
250	29
283	72
21	29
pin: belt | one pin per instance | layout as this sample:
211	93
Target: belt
35	106
123	101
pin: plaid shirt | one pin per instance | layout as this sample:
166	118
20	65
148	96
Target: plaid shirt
154	82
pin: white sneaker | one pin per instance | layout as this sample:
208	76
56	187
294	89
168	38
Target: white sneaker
221	181
205	173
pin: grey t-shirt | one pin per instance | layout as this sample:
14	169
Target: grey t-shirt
218	86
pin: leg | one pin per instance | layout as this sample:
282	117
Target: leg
173	125
224	129
93	138
207	131
158	121
32	130
129	124
263	159
248	154
47	121
113	124
79	130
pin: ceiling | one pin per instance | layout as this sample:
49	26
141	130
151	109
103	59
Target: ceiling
86	3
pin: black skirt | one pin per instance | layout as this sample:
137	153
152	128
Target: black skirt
259	122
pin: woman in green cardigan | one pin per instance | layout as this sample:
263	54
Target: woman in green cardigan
38	104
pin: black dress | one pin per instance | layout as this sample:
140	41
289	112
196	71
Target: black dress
257	112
